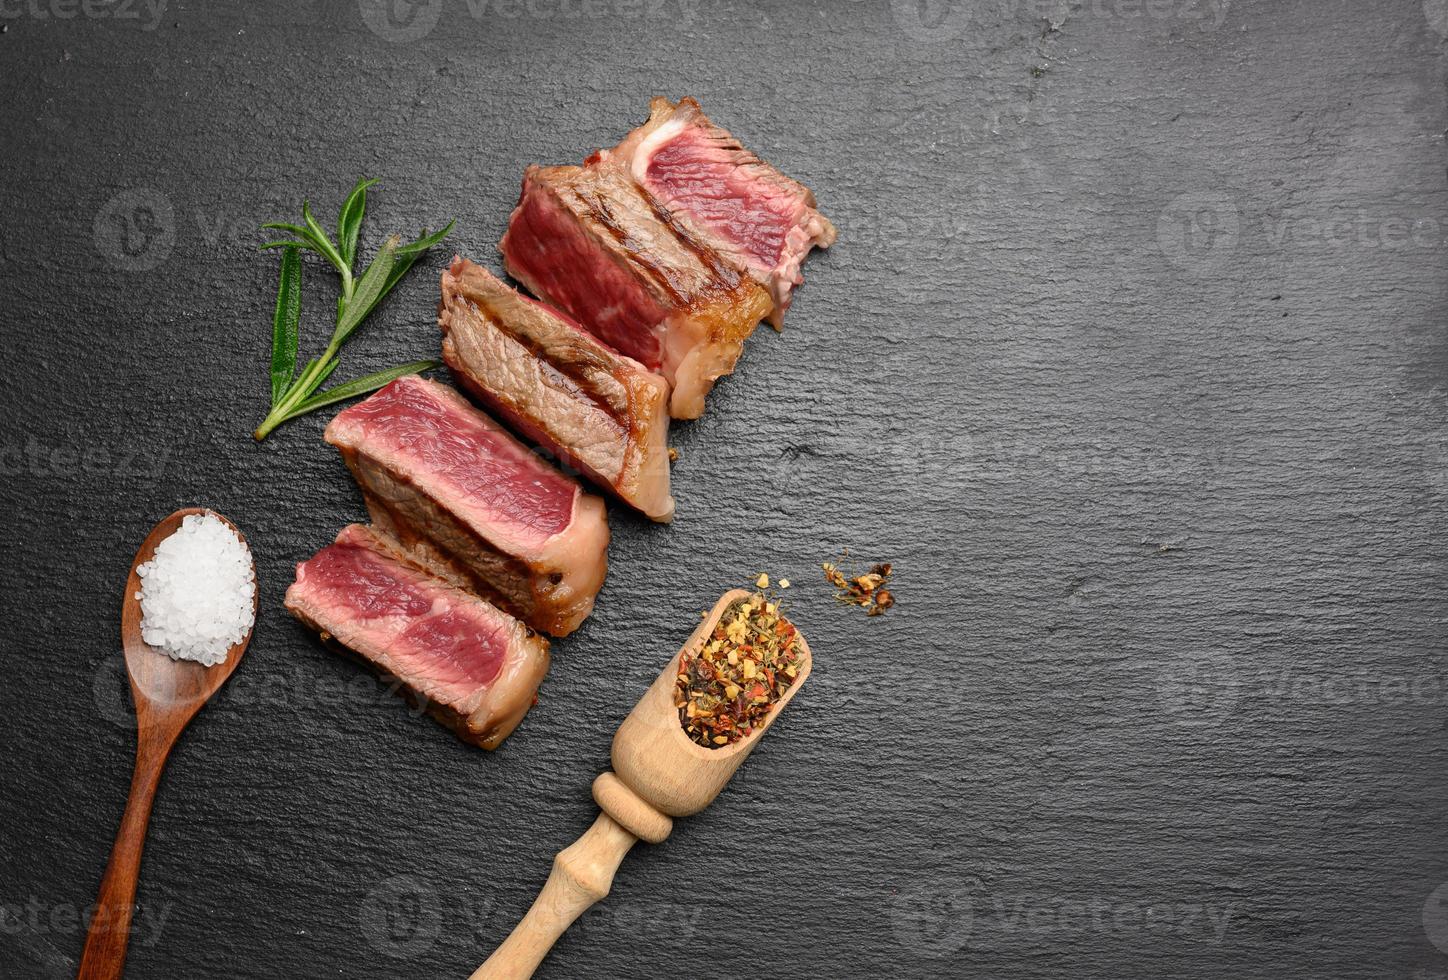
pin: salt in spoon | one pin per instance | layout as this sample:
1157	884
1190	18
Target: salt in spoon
167	693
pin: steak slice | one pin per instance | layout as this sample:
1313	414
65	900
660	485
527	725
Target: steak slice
759	219
602	413
471	503
590	242
471	666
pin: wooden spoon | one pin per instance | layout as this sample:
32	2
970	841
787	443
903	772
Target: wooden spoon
167	693
659	773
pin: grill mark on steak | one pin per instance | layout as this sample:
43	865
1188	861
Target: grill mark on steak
602	213
600	286
556	384
727	278
582	371
760	221
640	278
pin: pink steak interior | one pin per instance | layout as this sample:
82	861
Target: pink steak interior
433	637
693	173
481	466
548	251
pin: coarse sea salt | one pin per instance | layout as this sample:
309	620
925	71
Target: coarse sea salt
198	591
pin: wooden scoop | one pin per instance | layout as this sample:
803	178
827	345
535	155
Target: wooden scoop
659	773
168	693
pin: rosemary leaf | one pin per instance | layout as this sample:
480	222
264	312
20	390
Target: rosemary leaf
399	269
349	221
296	393
286	323
411	252
308	238
324	244
371	287
361	386
297	230
323	375
426	241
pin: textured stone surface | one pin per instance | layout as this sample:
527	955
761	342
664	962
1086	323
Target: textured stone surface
1130	356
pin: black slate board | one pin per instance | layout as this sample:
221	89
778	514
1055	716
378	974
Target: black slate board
1130	357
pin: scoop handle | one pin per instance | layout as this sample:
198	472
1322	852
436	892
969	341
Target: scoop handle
104	955
582	874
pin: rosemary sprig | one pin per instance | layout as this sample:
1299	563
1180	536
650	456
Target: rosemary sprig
294	394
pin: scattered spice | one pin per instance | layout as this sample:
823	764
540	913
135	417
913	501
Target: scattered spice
674	455
784	583
866	591
730	682
763	580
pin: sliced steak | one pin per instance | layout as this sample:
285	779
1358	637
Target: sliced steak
602	413
593	244
762	221
470	502
470	665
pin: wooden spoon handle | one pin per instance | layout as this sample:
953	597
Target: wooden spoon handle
582	874
110	930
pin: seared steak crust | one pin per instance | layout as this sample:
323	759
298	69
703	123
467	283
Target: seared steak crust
597	410
467	500
590	242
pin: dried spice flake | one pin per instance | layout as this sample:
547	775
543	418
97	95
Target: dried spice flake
866	591
728	684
